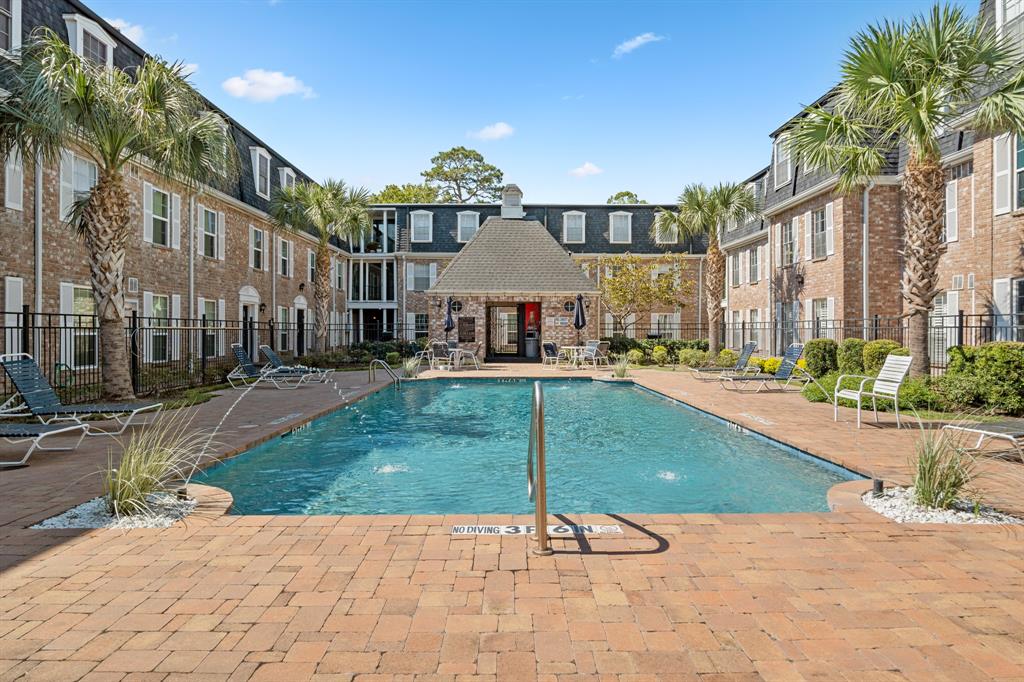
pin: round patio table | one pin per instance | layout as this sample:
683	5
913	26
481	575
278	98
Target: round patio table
575	354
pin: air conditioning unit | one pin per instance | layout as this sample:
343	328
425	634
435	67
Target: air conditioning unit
133	285
958	282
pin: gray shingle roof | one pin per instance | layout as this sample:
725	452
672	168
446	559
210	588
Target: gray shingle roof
512	256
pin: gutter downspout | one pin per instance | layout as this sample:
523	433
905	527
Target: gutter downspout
192	237
37	222
865	254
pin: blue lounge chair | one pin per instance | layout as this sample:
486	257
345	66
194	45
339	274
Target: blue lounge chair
274	361
715	373
787	374
38	399
246	373
34	434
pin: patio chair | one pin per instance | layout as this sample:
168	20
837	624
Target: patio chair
246	373
274	362
34	434
551	355
603	354
589	353
38	399
787	374
441	355
467	354
1010	429
715	373
886	386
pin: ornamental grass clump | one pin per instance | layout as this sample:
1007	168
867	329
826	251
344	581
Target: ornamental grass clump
159	458
411	367
943	472
620	370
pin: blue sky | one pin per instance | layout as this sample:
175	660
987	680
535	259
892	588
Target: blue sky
573	101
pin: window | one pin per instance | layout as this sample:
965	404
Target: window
469	221
754	326
1019	170
753	266
93	48
737	329
783	166
284	260
620	228
282	327
209	312
10	25
311	266
84	342
89	40
734	269
261	171
77	177
159	320
339	275
421	325
665	325
574	227
1010	20
422	226
14	181
788	235
421	276
1017	321
161	217
666	235
819	243
256	248
210	240
287	177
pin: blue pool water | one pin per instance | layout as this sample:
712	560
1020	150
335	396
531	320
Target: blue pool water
451	446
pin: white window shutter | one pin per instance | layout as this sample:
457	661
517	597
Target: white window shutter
830	233
410	273
433	273
728	269
67	184
14	289
200	231
952	231
265	256
220	322
252	245
221	235
67	306
808	310
147	212
808	246
777	234
14	181
175	339
175	221
1002	174
1001	308
410	326
952	306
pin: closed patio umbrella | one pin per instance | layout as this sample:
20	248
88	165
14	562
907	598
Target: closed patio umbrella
449	322
579	320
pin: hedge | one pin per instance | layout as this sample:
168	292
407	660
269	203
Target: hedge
875	353
850	356
821	357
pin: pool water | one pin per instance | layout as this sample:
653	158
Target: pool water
459	446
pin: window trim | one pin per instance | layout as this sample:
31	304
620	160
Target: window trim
205	211
776	146
14	166
412	226
786	262
611	225
426	266
458	225
15	29
79	332
167	220
284	257
77	25
1017	174
258	153
261	250
814	234
284	176
754	265
565	224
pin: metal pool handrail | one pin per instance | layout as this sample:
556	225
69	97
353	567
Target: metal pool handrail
371	374
537	488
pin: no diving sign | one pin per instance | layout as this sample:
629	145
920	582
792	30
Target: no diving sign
564	529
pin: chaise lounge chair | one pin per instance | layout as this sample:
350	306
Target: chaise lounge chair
780	381
246	373
886	386
34	434
38	399
1009	429
274	362
715	373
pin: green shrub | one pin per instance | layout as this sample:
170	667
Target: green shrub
825	388
999	369
850	356
917	393
959	390
943	470
875	353
961	359
691	357
393	358
821	357
727	358
635	356
621	344
660	356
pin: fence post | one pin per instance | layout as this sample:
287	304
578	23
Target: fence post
743	332
202	347
874	328
959	327
26	329
270	331
134	352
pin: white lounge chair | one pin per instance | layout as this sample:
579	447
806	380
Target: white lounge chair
886	386
1009	429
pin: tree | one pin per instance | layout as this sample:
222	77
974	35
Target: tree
152	116
461	176
625	197
635	287
409	193
328	210
701	214
906	85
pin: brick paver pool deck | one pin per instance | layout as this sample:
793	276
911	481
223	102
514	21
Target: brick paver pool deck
829	596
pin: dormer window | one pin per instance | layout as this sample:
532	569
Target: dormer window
1010	21
10	25
421	225
511	202
87	39
574	227
783	163
469	223
287	177
620	227
261	171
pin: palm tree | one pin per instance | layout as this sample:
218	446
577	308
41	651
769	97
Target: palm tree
906	85
331	209
152	117
701	214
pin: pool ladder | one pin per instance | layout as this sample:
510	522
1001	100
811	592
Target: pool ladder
537	486
372	373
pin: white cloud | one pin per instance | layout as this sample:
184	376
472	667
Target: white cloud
260	85
132	32
495	131
190	69
586	169
635	42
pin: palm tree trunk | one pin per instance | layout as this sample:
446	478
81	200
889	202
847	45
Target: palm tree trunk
924	186
322	295
105	222
714	290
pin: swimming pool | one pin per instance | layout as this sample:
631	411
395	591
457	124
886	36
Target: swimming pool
459	446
